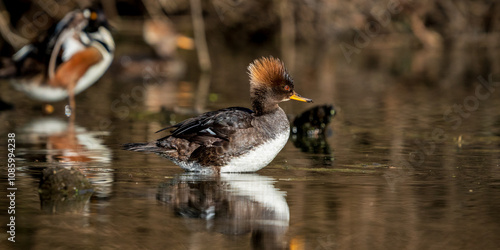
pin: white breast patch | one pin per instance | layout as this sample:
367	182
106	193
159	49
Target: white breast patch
259	157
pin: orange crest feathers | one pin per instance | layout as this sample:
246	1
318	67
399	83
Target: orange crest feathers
268	70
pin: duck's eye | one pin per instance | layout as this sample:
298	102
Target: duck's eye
286	87
93	15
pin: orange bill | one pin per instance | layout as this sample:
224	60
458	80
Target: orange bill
297	97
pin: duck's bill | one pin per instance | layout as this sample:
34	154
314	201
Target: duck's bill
299	98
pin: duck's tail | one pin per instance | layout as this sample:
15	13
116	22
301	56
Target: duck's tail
142	147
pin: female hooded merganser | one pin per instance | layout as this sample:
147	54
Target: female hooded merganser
234	139
67	61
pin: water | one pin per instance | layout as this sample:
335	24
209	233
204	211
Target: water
67	110
398	167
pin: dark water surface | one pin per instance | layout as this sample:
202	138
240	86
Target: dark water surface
401	166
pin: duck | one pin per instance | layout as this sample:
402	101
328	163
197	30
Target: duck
162	36
234	139
71	57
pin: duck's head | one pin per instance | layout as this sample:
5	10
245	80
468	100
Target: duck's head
95	18
98	27
270	84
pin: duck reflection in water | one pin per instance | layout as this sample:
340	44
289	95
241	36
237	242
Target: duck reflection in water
310	129
231	204
79	164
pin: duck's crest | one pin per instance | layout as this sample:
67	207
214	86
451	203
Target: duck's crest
268	70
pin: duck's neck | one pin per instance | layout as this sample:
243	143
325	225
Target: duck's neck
261	106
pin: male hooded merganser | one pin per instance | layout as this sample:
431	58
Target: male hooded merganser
67	61
234	139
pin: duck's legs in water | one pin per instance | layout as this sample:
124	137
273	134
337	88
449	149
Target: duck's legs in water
72	103
69	73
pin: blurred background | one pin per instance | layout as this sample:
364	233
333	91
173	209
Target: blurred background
443	44
410	160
